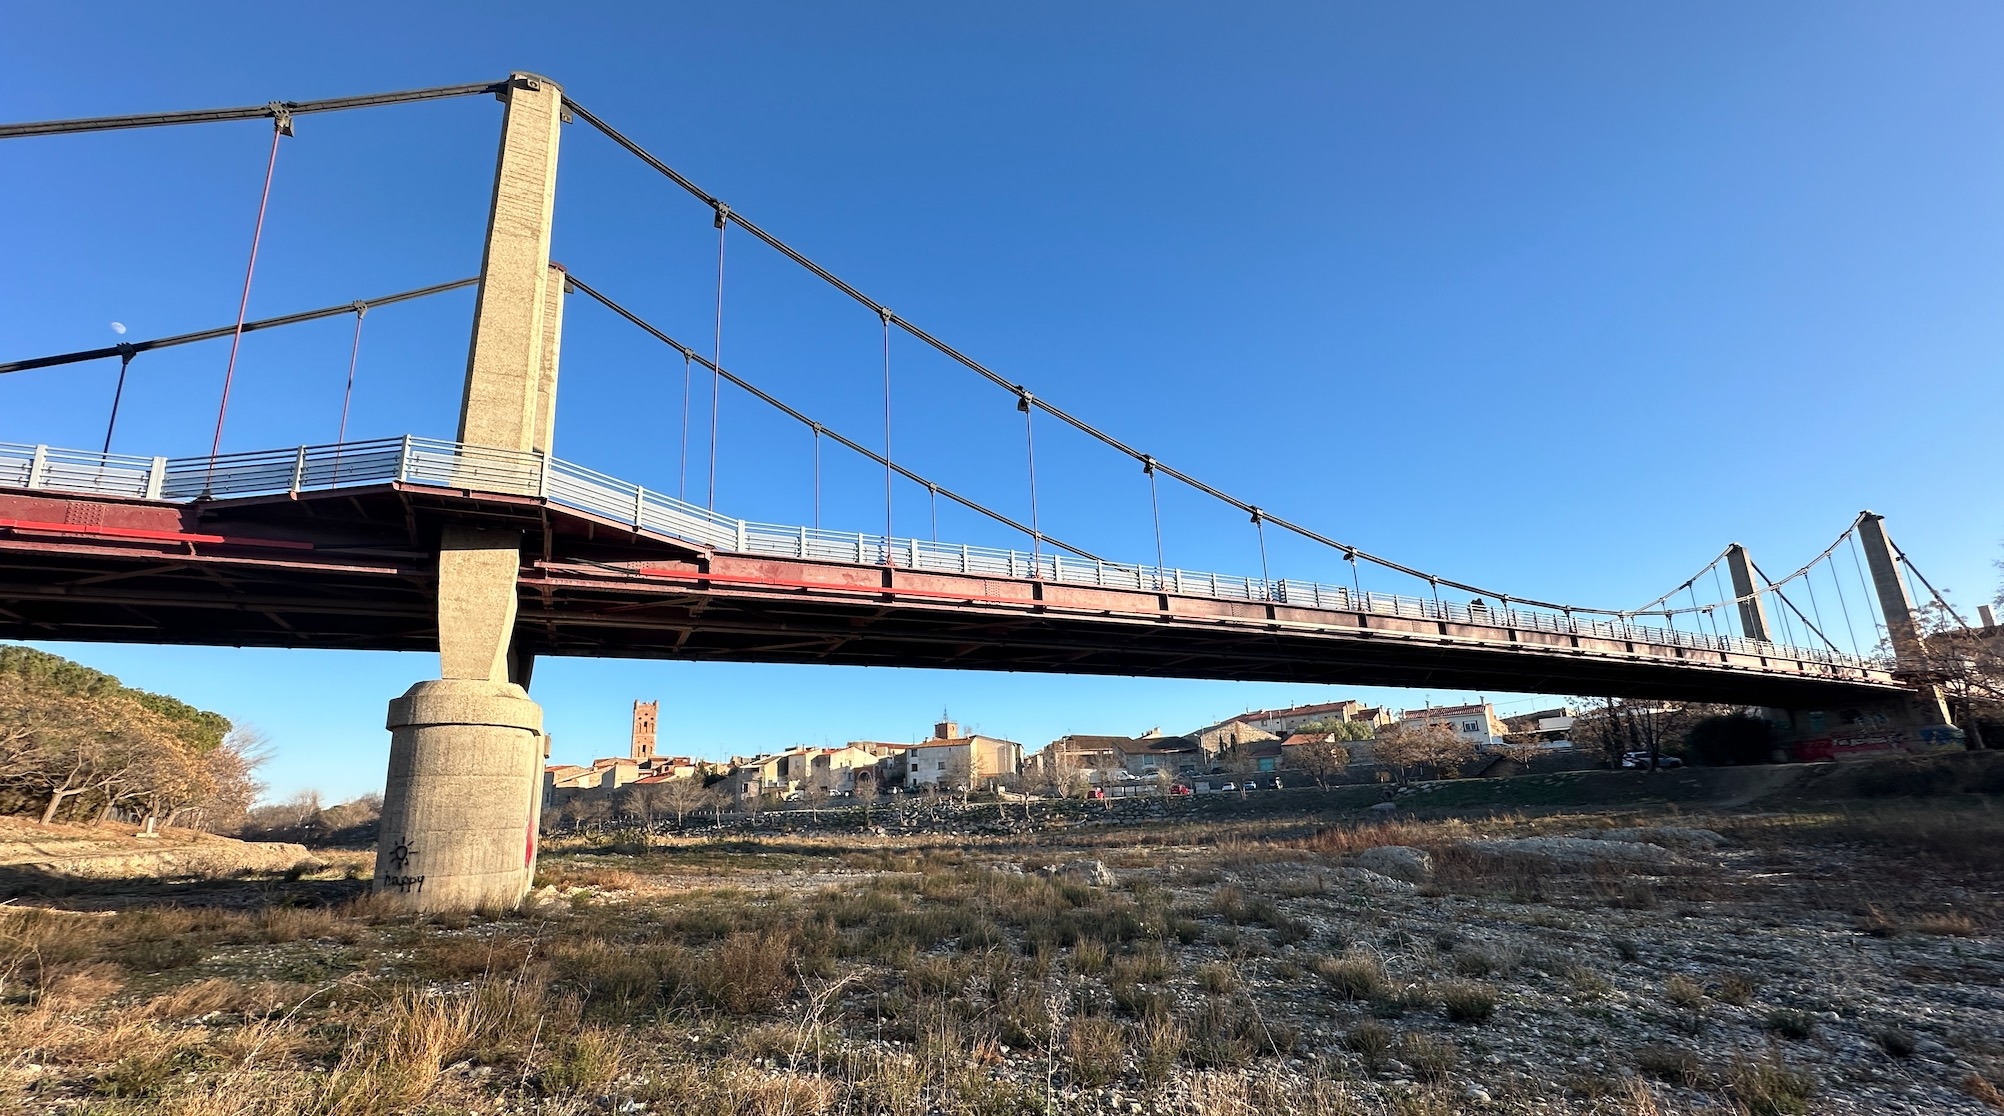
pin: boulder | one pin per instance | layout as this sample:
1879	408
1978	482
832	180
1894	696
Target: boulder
1580	853
1087	871
1366	880
1400	862
1669	836
1384	807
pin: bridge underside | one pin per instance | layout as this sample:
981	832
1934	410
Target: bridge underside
357	569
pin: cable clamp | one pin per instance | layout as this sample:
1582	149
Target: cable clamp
1257	518
126	352
361	307
1024	399
1147	464
884	312
723	213
281	117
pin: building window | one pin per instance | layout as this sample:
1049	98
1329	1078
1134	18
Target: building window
1470	726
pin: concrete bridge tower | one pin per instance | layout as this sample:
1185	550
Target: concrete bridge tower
464	789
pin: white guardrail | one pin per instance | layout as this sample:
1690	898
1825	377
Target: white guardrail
432	462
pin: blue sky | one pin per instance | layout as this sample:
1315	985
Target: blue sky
1559	297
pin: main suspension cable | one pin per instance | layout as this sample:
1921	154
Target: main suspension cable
248	112
846	442
1783	597
1022	393
1938	597
137	347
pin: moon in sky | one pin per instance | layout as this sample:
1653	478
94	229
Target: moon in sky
118	328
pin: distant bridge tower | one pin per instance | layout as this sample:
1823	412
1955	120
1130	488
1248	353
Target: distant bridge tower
462	798
1902	628
1753	614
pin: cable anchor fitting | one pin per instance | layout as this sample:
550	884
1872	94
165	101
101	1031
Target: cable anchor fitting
1024	399
723	213
1147	465
281	117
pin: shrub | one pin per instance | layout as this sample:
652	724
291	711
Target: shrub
1468	1001
1372	1041
1896	1042
159	955
587	1063
1089	957
1217	977
1957	925
1162	1043
748	973
1673	1064
1770	1088
1431	1058
1096	1047
1354	976
1791	1023
1737	988
1149	964
1684	992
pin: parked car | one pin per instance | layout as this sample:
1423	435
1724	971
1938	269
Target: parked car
1180	789
1639	761
1228	786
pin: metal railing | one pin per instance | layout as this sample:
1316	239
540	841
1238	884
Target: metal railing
442	464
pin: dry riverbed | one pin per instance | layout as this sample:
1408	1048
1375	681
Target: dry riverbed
1825	961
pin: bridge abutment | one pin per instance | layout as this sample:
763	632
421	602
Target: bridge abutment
463	794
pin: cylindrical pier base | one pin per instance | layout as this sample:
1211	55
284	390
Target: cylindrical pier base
460	801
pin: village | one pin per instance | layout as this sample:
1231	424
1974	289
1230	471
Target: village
1338	742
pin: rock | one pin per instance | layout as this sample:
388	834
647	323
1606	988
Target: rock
1373	882
540	897
1579	852
1384	807
1670	836
1088	871
1006	868
1400	862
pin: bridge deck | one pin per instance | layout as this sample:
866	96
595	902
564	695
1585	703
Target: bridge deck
304	550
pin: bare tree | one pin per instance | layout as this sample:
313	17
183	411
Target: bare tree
1320	760
1414	744
682	797
1966	664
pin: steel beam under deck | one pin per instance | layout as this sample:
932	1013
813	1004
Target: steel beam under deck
356	568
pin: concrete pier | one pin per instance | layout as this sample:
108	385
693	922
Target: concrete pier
462	799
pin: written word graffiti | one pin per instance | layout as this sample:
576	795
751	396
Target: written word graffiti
397	873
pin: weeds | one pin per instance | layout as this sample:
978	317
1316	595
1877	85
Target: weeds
1467	1001
1354	976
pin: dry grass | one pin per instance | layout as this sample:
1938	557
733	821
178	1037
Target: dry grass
930	983
1354	976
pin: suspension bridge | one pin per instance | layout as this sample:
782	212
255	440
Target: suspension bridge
492	550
